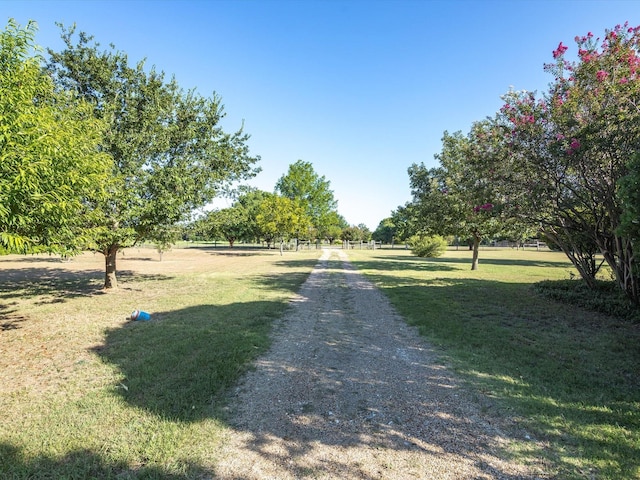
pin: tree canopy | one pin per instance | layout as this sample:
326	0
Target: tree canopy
302	184
170	154
386	231
574	149
458	198
280	218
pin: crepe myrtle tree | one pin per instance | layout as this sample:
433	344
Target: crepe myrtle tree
170	154
595	107
50	163
578	146
543	185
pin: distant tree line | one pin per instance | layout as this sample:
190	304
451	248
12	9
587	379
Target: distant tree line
301	208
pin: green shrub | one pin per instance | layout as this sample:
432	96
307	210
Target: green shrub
430	247
605	298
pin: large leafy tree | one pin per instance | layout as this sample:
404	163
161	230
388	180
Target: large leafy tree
575	150
50	166
629	194
250	200
404	219
302	184
539	173
457	198
170	153
331	226
281	218
356	233
386	232
230	223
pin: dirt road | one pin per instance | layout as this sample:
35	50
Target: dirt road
349	391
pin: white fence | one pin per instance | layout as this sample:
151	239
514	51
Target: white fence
361	245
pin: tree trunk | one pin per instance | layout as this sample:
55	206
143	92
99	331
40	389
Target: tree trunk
476	248
110	280
618	253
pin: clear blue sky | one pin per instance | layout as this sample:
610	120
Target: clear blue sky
361	89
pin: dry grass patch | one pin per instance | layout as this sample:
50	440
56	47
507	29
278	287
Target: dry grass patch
86	392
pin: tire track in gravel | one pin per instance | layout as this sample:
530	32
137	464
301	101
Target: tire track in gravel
348	390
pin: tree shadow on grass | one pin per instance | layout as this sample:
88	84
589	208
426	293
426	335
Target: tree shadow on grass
179	363
52	285
82	464
236	251
325	370
397	263
403	261
48	285
506	261
573	372
39	259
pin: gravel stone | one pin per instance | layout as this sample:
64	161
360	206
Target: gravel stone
348	390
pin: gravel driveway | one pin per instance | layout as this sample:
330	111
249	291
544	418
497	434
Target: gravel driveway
348	390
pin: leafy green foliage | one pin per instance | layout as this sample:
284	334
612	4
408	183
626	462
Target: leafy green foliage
404	219
230	223
302	184
629	195
572	153
356	233
458	198
281	218
250	201
428	246
385	232
170	154
50	166
605	298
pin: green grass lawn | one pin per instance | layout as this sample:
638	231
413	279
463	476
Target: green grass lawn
85	393
570	377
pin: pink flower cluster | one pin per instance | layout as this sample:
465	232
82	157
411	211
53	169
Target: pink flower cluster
517	117
633	61
486	207
601	75
558	52
574	146
587	55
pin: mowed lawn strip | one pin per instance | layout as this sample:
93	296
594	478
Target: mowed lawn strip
570	377
85	392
